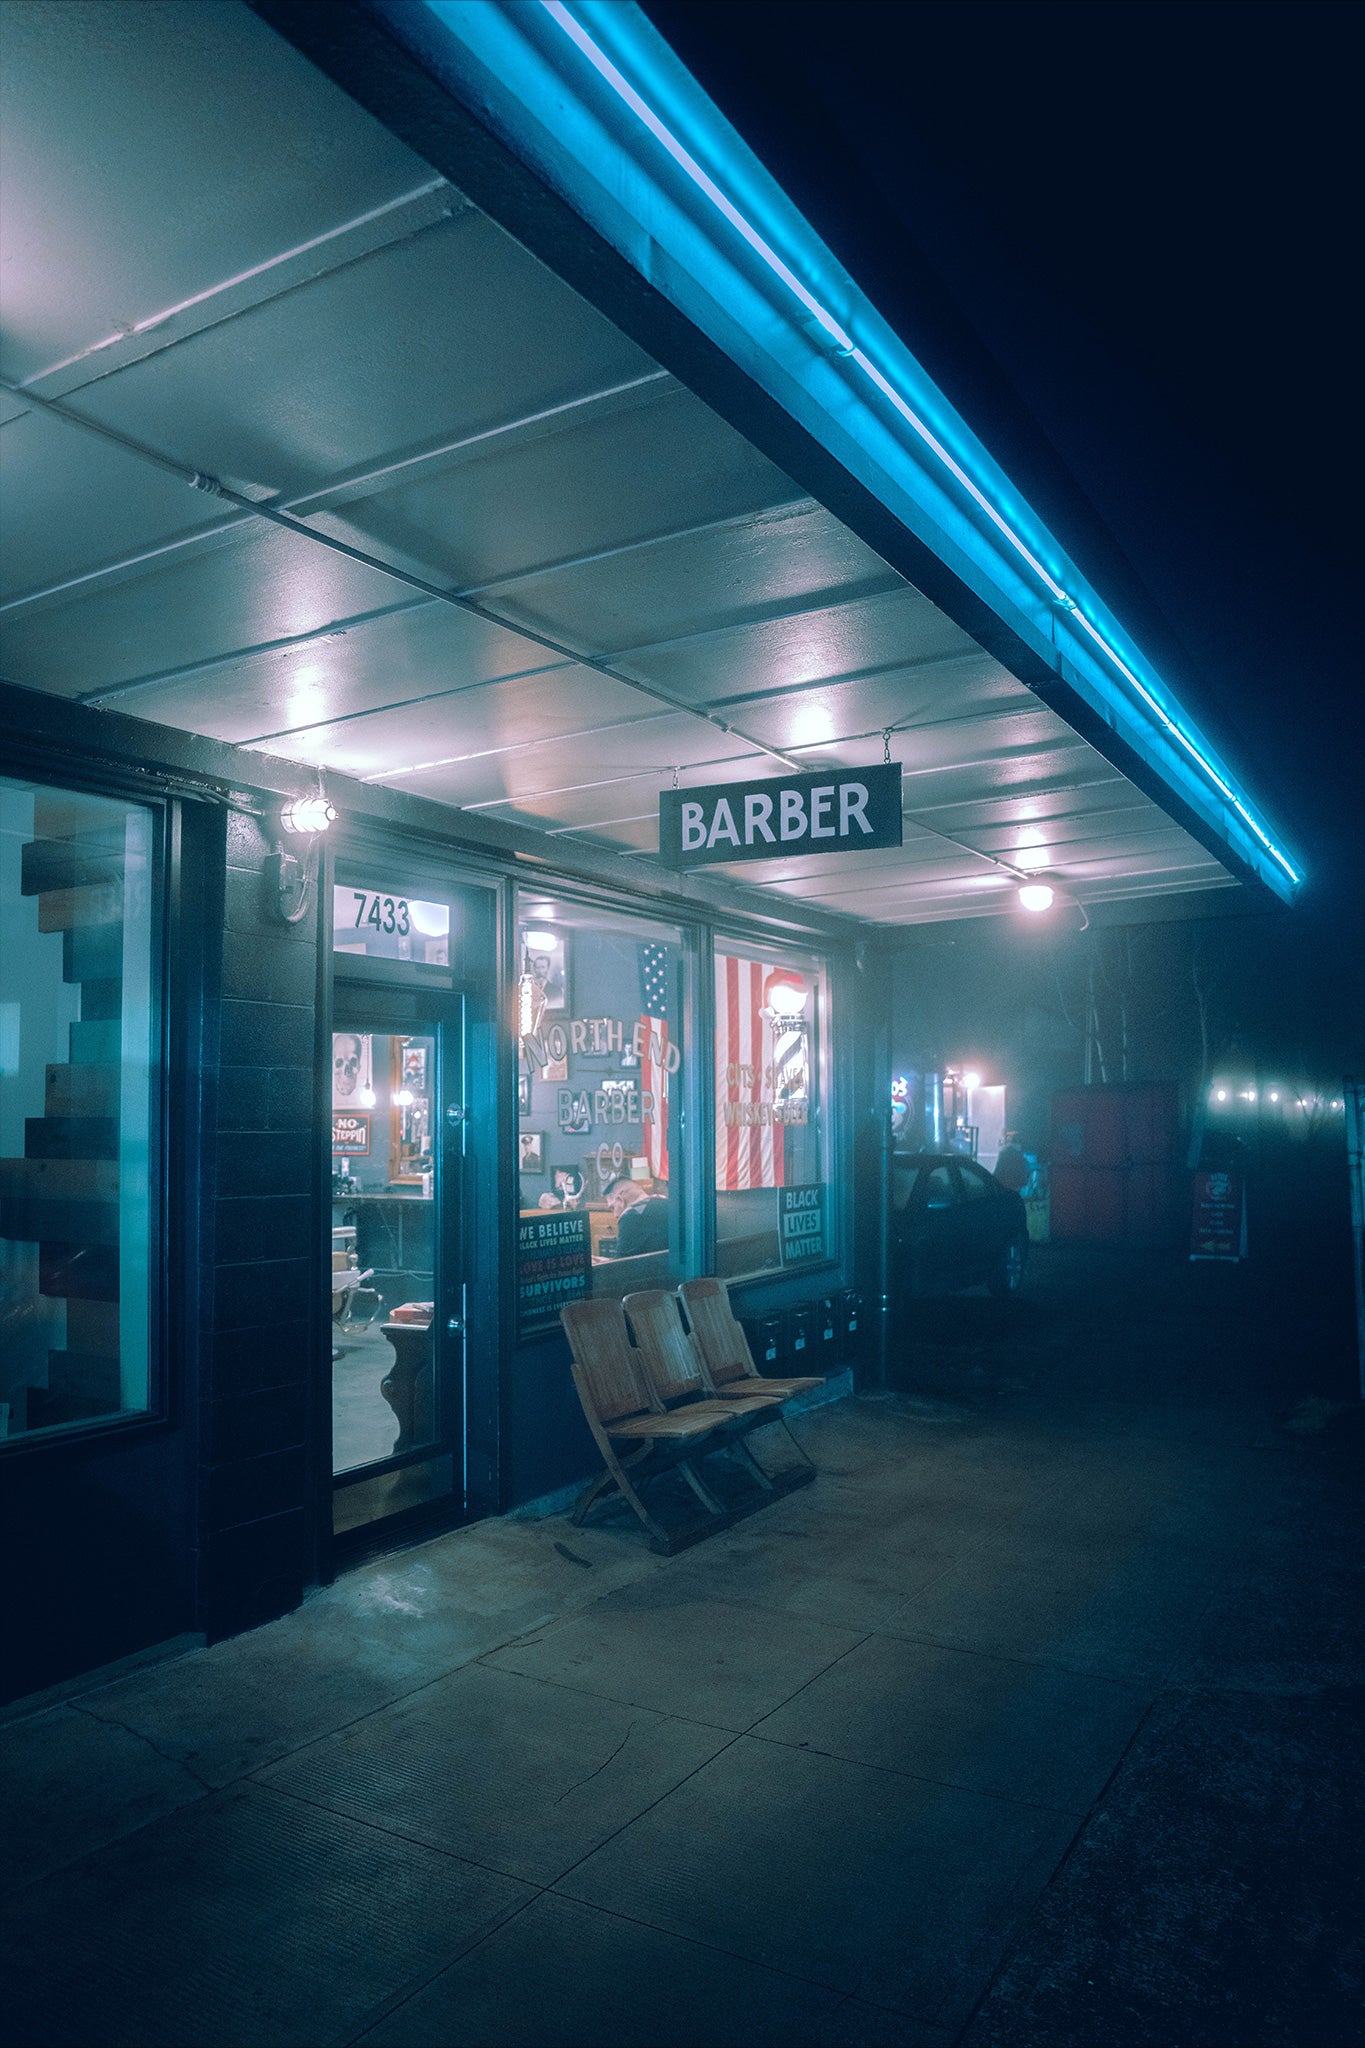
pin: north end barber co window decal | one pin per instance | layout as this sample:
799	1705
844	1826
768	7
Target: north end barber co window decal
833	811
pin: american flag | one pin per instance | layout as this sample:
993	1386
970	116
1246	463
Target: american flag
654	964
748	1155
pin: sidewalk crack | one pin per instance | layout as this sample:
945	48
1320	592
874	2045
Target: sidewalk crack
111	1721
600	1768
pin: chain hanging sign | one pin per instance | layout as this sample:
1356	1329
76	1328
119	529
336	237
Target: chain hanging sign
835	810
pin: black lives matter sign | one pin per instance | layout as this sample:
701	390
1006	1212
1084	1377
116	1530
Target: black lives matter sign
801	1224
554	1259
835	811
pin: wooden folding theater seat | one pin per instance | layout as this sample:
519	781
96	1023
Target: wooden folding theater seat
622	1411
723	1348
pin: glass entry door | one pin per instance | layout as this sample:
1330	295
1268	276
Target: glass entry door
397	1290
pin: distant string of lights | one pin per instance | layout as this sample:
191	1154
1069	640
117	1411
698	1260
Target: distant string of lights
1225	1095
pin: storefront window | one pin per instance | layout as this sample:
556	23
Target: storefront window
599	1152
772	1199
76	1105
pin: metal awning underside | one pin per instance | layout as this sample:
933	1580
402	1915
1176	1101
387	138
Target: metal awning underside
491	552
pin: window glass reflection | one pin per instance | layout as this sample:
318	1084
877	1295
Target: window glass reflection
76	1108
600	1054
772	1202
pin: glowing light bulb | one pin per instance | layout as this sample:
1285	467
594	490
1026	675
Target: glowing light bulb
1220	1094
1036	896
432	920
971	1079
786	999
307	814
403	1097
540	942
365	1097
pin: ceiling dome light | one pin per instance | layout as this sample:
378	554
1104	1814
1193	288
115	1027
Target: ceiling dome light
540	942
432	920
307	814
1036	896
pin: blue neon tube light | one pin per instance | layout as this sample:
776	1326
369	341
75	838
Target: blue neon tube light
847	351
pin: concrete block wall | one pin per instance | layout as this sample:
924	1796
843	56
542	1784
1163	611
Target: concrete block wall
256	1529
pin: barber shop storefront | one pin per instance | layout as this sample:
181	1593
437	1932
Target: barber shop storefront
497	639
628	1158
340	1121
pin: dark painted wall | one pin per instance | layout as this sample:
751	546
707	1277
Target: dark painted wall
262	1165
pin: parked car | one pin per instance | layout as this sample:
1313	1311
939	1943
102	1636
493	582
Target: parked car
955	1226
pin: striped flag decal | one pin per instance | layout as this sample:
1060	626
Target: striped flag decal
654	1073
749	1152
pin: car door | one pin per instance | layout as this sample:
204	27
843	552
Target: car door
937	1253
976	1224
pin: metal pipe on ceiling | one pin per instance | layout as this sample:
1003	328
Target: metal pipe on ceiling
325	497
201	480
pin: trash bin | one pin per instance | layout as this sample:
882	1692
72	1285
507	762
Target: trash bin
767	1337
802	1327
829	1333
851	1320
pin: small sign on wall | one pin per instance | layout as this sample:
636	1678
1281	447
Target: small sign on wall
801	1224
350	1133
1219	1224
836	810
554	1255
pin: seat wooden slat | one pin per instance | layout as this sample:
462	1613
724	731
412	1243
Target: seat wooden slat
620	1407
668	1361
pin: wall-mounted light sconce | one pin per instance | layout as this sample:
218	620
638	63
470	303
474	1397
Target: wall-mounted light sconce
293	874
307	814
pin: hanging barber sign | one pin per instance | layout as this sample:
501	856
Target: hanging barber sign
833	811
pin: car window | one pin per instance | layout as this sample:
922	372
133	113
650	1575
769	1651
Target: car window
975	1186
903	1182
938	1189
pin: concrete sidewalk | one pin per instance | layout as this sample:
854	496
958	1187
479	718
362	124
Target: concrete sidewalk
1037	1720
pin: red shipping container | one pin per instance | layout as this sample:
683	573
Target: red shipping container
1114	1174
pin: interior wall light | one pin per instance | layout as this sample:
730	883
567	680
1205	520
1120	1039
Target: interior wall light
786	995
834	335
432	920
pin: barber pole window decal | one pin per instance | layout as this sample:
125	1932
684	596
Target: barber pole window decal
750	1150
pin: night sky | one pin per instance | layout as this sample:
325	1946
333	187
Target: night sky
1123	240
